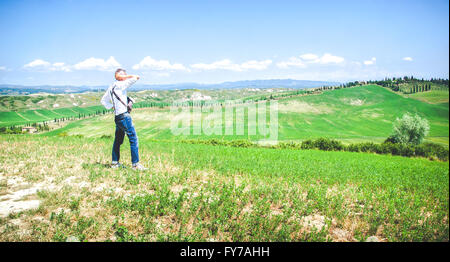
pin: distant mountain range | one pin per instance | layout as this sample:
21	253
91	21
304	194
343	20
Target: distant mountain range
273	83
25	90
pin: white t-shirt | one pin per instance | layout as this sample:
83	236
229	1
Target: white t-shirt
109	100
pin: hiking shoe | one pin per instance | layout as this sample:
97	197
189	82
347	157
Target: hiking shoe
139	167
117	165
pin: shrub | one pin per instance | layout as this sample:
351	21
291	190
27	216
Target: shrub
407	150
323	144
410	129
289	145
396	149
214	141
391	139
336	145
423	151
367	147
241	143
307	144
429	149
387	147
382	149
442	154
353	148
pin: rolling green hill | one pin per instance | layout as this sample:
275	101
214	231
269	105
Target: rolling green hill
55	101
20	110
432	97
360	113
40	115
353	114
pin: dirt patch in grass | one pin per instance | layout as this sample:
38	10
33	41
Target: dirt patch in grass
303	108
354	101
341	235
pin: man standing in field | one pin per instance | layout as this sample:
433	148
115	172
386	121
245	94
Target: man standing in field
116	97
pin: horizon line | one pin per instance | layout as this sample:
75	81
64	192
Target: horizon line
224	82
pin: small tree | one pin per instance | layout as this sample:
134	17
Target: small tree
410	129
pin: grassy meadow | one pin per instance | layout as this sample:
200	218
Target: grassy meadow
40	115
432	97
350	115
216	193
57	185
23	109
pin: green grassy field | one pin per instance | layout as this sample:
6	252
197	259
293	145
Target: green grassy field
57	185
40	115
350	115
37	108
53	101
216	193
360	113
432	97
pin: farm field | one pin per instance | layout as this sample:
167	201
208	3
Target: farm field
216	193
351	115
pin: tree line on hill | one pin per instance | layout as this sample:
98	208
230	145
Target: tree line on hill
44	125
407	85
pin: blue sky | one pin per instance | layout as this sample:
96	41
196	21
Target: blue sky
66	42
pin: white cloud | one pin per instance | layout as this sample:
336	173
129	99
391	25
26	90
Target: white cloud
331	59
407	58
310	58
60	67
292	62
256	65
97	64
160	65
371	61
227	64
88	64
42	65
2	68
38	63
302	60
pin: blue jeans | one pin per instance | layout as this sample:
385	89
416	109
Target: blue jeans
125	125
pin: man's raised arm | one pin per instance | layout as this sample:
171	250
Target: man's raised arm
129	80
131	76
